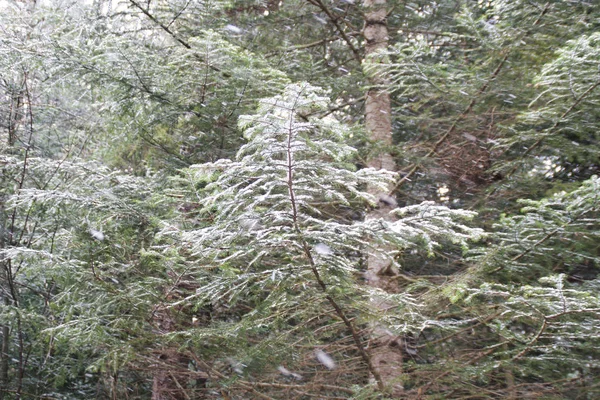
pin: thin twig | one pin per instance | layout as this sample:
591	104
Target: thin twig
183	42
334	21
445	338
486	353
313	266
415	167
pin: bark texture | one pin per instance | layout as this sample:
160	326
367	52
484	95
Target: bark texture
386	348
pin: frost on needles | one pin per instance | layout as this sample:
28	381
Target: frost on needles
273	253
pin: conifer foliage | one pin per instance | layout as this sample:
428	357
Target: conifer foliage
275	266
185	211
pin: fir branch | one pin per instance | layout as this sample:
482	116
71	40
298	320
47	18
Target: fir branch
338	27
411	170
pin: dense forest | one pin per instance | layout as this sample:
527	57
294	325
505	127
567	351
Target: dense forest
299	199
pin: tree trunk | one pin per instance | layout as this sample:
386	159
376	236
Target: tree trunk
386	348
4	271
4	274
4	361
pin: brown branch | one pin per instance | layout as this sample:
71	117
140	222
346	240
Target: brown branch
318	42
244	384
183	42
187	397
334	21
425	32
22	358
533	340
160	24
556	124
486	353
545	324
290	386
322	114
445	338
313	266
509	377
545	238
530	249
414	168
582	311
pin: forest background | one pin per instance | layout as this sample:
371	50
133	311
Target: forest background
299	199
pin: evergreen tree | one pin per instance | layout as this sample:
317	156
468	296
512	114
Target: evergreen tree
275	266
180	218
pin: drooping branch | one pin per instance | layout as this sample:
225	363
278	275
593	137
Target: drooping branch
415	167
335	21
160	24
558	122
174	35
319	42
